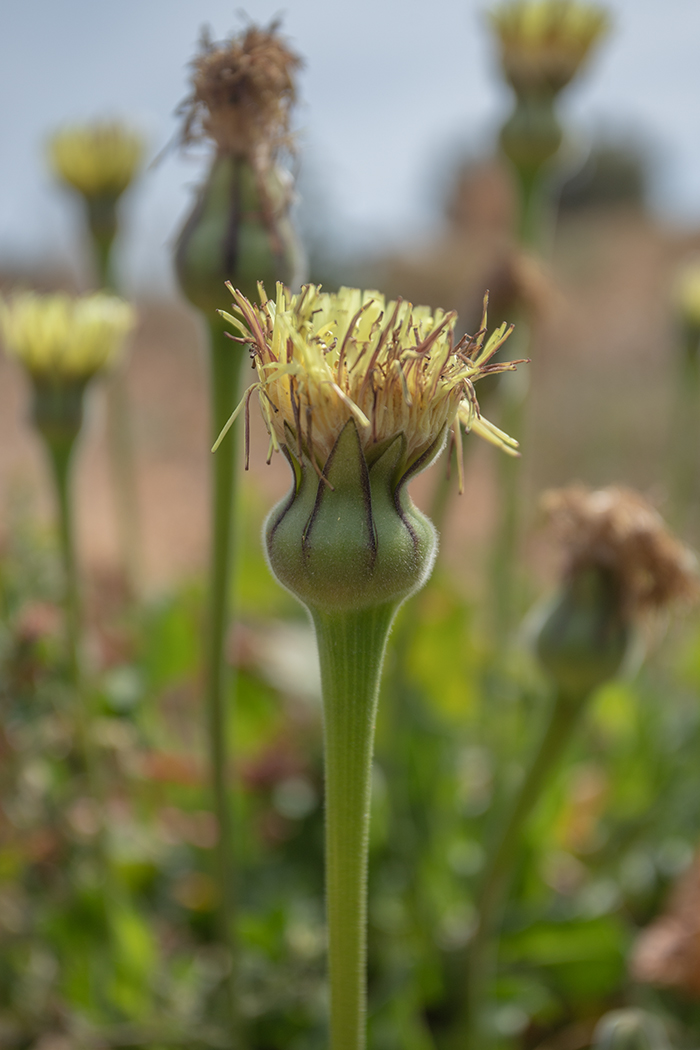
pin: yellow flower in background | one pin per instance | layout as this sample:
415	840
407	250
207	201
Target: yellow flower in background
543	43
60	337
97	160
394	368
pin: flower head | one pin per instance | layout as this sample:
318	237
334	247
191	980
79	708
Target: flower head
616	530
58	337
395	369
98	160
242	92
543	43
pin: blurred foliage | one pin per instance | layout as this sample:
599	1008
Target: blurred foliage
614	174
618	824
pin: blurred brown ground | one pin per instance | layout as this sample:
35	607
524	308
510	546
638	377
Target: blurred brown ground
601	379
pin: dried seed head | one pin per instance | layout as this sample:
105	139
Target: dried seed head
58	337
99	159
667	953
323	359
242	93
615	529
543	43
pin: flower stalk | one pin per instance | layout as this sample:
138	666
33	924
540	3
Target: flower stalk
351	649
224	380
542	44
500	863
620	562
239	229
685	418
359	395
63	343
99	162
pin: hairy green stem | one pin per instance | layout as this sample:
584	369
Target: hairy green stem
351	649
226	359
501	860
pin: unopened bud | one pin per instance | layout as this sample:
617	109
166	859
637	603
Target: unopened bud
532	135
583	640
238	231
350	538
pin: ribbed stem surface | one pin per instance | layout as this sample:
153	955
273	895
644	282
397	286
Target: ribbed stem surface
351	650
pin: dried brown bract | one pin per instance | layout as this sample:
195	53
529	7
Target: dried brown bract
242	92
667	953
616	529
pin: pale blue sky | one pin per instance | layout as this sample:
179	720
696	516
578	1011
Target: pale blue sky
390	92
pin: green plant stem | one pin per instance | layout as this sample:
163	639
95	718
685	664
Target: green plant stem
685	435
533	220
60	451
501	860
504	557
531	233
351	649
120	439
226	359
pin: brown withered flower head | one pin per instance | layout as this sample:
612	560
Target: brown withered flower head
242	92
667	953
617	529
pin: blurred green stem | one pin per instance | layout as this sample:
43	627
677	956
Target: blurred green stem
351	648
533	220
60	449
225	363
103	225
504	555
514	388
685	435
473	1032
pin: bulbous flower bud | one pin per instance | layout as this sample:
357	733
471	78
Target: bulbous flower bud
630	1030
583	641
359	395
352	538
240	228
622	564
532	134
